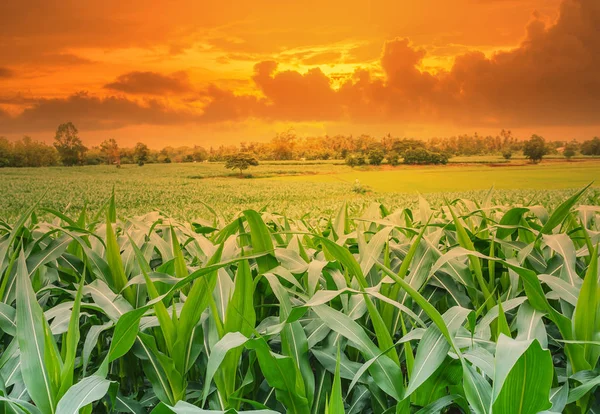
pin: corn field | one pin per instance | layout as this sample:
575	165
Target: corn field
470	307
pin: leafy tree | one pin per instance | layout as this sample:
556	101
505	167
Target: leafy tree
423	156
283	145
393	158
591	147
507	154
376	156
535	148
241	161
5	152
401	146
199	154
30	153
569	151
355	159
110	150
141	153
68	144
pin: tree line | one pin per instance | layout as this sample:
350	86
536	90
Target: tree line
68	149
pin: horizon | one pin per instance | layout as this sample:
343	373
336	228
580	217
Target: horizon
186	76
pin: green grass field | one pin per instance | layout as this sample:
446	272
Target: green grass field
293	188
430	179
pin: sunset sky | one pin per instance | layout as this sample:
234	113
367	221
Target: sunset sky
220	72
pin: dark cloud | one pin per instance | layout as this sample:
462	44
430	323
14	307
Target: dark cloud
93	113
151	83
550	79
5	73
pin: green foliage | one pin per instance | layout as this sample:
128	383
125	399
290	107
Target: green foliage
141	153
535	148
376	156
393	158
472	306
423	156
241	161
591	147
355	160
26	152
68	144
569	151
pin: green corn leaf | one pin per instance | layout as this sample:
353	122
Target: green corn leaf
523	377
336	402
115	263
562	211
31	336
70	344
85	392
586	322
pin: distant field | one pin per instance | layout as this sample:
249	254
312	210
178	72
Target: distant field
293	188
429	179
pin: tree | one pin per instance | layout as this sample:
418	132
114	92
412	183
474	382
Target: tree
283	145
423	156
140	153
110	150
569	151
241	161
355	159
535	148
591	147
70	148
376	156
507	154
393	158
6	150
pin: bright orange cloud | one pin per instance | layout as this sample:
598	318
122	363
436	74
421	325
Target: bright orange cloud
327	73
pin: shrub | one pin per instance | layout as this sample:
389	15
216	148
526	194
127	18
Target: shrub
393	158
569	151
355	159
376	156
423	156
535	148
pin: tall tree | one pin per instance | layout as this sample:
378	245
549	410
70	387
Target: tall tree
6	150
535	148
68	144
110	150
140	153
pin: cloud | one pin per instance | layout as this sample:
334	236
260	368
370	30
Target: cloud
93	113
5	73
151	83
549	79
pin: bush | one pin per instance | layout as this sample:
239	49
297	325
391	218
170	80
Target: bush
393	158
355	159
507	154
376	156
535	148
591	147
423	156
569	151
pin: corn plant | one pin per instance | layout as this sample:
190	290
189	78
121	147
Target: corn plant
469	306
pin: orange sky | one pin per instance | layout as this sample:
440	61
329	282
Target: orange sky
212	72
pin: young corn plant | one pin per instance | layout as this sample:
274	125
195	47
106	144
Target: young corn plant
472	307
